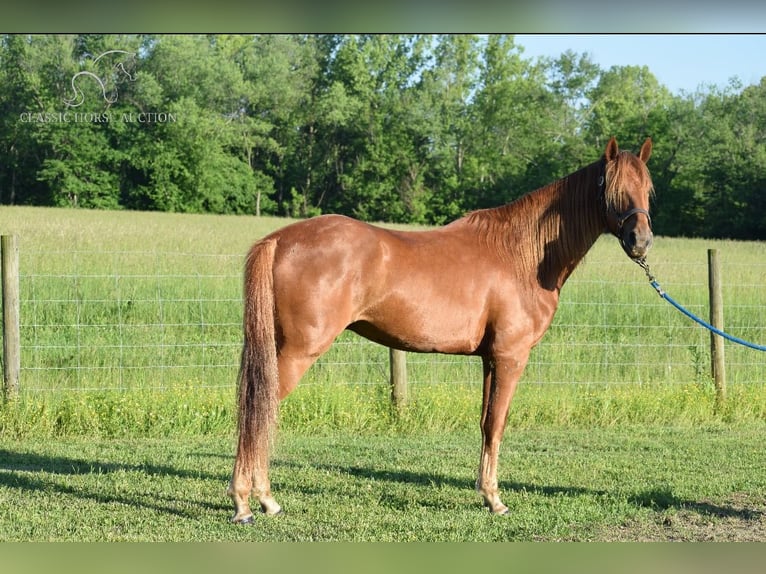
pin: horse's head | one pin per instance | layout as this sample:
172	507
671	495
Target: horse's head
626	189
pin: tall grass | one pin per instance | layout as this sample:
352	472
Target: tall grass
131	324
366	410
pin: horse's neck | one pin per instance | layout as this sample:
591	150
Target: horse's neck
544	234
557	275
570	224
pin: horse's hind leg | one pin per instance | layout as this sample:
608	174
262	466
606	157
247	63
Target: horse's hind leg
255	480
262	487
239	491
245	481
291	370
252	479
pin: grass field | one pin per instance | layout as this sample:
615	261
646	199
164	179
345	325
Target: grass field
602	484
124	427
151	302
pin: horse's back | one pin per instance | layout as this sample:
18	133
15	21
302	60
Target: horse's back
325	245
337	246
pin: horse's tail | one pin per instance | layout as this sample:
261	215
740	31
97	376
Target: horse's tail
258	397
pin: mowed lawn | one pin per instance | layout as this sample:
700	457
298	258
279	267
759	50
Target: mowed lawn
587	485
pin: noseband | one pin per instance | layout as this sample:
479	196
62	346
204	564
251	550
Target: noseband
623	217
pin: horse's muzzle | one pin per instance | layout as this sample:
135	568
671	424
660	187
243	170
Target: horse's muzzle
637	242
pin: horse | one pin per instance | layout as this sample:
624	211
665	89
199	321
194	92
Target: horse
486	284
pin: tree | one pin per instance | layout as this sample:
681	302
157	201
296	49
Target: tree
627	102
516	116
731	167
375	171
200	160
18	91
678	205
57	148
284	80
404	128
446	90
571	77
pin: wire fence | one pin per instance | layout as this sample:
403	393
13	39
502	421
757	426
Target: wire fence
122	320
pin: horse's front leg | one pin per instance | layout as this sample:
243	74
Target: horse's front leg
500	378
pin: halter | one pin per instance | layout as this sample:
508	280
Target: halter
621	218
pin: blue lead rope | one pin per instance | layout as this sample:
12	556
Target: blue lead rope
653	282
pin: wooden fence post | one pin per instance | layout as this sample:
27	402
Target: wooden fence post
717	362
398	362
11	337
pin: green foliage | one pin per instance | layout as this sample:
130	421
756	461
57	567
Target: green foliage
82	169
400	128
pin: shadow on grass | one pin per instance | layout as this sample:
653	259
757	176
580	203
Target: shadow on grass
439	480
34	472
25	461
661	499
658	499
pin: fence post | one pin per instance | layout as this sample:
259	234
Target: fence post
717	363
398	363
11	338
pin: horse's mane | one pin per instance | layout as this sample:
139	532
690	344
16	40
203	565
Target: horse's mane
553	227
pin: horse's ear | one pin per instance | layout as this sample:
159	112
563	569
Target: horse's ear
611	151
646	150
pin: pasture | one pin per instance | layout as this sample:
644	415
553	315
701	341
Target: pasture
124	428
586	485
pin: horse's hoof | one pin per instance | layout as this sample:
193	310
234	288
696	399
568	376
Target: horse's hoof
504	511
249	519
271	508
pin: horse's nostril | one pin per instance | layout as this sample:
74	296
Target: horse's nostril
637	239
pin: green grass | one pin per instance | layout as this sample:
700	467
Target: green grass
124	429
125	316
598	484
125	301
367	410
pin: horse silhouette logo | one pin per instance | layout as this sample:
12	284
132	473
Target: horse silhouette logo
107	81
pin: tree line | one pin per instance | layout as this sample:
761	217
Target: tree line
397	128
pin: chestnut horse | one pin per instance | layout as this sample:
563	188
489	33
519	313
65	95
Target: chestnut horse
487	284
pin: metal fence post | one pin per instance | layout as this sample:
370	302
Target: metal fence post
11	334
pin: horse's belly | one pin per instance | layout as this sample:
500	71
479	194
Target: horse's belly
444	330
